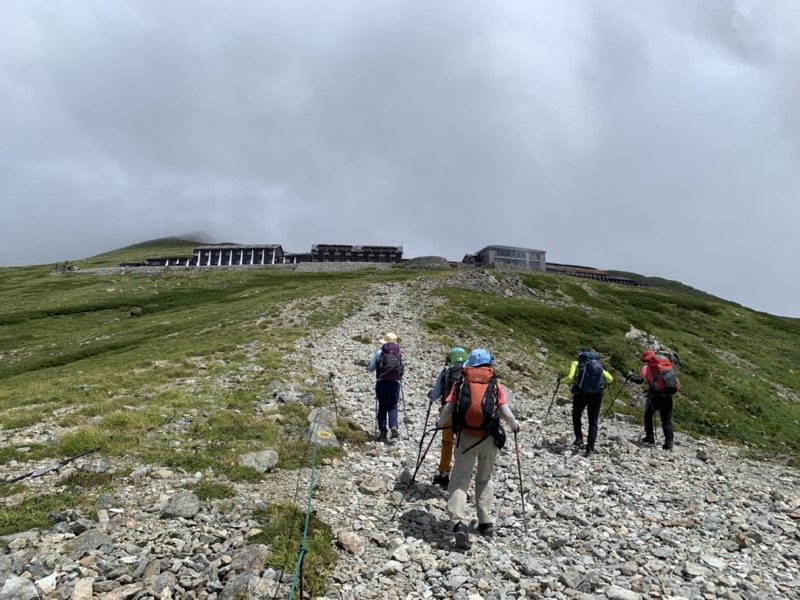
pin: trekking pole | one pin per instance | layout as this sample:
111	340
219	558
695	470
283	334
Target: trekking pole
656	413
424	427
549	408
399	505
649	403
405	409
614	400
333	393
424	454
521	489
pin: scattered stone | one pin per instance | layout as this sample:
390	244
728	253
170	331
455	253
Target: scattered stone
183	505
323	435
262	462
371	486
250	559
17	588
351	542
90	540
617	593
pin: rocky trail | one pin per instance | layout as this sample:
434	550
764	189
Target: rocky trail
629	523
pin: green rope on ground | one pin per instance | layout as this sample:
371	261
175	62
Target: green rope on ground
301	552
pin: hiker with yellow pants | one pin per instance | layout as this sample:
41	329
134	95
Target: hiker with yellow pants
447	378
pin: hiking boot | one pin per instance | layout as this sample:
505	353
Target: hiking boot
442	479
578	442
381	437
486	529
648	440
395	435
462	536
589	451
667	445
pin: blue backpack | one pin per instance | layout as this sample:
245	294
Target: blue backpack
589	376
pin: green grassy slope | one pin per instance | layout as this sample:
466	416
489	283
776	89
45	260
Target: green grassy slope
71	355
71	352
171	246
740	367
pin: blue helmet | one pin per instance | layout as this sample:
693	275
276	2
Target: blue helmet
479	357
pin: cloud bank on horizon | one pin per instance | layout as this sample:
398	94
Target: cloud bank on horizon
661	137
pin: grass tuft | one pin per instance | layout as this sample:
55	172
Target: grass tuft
33	511
282	528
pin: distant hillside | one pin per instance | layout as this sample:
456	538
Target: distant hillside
165	241
666	284
167	246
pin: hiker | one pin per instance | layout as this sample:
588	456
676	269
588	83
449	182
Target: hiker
387	363
475	404
447	378
656	369
588	378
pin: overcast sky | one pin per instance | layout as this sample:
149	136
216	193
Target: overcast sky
660	137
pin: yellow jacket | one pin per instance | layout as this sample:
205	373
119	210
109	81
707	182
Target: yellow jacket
574	369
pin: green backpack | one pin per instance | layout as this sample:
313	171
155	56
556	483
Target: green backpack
454	363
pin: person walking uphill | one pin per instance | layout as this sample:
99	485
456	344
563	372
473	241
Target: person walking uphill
447	378
475	403
588	379
662	383
387	363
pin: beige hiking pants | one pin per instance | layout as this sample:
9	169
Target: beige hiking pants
485	454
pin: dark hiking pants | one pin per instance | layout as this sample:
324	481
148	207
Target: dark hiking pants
387	393
579	402
662	404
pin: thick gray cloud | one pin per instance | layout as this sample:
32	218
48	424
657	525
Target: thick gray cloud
656	137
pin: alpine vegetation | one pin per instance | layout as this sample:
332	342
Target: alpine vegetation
269	433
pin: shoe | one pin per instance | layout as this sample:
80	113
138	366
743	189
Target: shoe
382	437
486	529
462	536
648	440
589	451
395	435
578	442
442	479
667	446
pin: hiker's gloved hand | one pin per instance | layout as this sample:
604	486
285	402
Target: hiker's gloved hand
629	375
515	428
438	424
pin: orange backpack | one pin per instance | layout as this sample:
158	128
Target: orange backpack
476	404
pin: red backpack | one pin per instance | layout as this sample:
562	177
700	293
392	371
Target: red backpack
663	379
